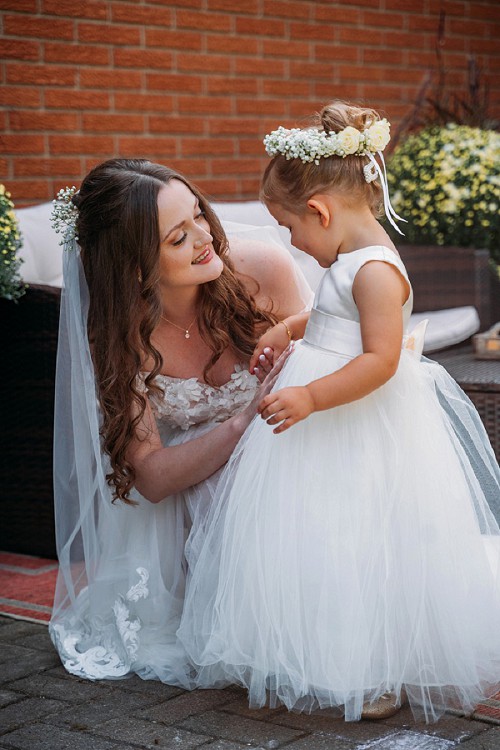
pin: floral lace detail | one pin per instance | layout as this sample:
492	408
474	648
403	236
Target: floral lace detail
188	402
103	661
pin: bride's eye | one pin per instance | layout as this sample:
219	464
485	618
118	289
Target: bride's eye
200	215
180	241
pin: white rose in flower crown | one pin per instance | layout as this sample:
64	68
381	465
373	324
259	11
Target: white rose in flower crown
349	139
378	135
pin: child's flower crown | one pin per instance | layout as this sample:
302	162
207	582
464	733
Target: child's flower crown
64	215
311	144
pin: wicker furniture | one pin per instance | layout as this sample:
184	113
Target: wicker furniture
444	277
480	379
29	340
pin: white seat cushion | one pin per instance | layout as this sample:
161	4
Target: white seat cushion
447	327
41	251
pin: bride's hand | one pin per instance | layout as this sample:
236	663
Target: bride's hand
265	386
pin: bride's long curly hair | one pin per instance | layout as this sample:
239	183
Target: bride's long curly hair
118	233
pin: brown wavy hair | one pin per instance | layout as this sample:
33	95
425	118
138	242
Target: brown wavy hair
291	182
118	233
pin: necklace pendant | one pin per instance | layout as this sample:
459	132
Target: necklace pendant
186	335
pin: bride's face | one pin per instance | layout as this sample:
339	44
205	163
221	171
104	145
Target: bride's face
187	255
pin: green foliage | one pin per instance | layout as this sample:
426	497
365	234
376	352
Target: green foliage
11	286
445	181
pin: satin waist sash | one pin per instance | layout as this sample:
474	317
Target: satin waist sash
333	334
342	336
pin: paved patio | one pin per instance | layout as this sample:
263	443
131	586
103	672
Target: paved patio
44	708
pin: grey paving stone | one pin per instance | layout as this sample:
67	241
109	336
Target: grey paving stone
27	662
150	734
188	704
333	726
16	714
407	740
489	740
448	727
227	726
103	708
46	686
40	641
240	707
12	629
7	696
9	651
44	737
145	687
320	742
225	745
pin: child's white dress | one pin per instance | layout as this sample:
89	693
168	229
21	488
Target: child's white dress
355	553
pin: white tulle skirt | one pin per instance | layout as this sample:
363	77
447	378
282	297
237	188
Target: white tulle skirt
355	553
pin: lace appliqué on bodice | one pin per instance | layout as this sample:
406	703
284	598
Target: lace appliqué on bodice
188	402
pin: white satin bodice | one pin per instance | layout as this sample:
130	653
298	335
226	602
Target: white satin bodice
334	321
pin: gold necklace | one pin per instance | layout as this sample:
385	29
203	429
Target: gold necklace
184	330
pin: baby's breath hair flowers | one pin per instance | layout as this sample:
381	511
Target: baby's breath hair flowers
64	215
310	145
11	285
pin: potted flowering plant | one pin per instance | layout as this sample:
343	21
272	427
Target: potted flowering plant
11	286
445	181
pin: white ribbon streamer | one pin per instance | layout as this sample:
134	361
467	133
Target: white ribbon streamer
389	211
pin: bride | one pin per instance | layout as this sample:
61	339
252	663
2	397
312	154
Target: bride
160	315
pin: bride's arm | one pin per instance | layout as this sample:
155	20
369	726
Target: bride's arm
163	471
271	276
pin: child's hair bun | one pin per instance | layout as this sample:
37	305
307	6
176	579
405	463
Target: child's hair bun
337	115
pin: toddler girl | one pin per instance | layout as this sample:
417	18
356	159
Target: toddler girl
353	557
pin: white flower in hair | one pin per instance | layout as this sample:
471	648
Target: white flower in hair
349	139
64	215
378	135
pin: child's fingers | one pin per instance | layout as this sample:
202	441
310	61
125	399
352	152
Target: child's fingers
277	417
285	425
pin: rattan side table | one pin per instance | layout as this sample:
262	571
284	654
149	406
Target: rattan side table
480	379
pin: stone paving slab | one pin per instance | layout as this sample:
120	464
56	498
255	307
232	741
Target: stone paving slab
150	734
230	727
26	663
98	710
487	741
185	705
448	727
7	696
42	707
39	737
30	709
44	685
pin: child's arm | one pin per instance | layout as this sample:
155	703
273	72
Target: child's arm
379	292
278	338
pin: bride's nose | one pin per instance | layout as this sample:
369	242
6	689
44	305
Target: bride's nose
203	239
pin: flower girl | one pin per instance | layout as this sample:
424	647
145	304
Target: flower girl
353	557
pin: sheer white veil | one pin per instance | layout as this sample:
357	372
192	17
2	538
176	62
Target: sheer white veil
122	574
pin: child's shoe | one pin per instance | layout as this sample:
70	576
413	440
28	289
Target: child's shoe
383	708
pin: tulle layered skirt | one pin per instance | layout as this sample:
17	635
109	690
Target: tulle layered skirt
355	553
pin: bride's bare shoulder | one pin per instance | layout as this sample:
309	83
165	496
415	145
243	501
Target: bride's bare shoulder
269	273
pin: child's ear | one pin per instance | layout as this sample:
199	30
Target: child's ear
321	209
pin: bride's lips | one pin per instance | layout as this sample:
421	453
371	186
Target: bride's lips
204	257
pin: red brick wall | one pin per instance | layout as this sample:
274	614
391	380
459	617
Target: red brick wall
196	84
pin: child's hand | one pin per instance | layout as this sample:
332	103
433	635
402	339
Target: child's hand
270	345
286	407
